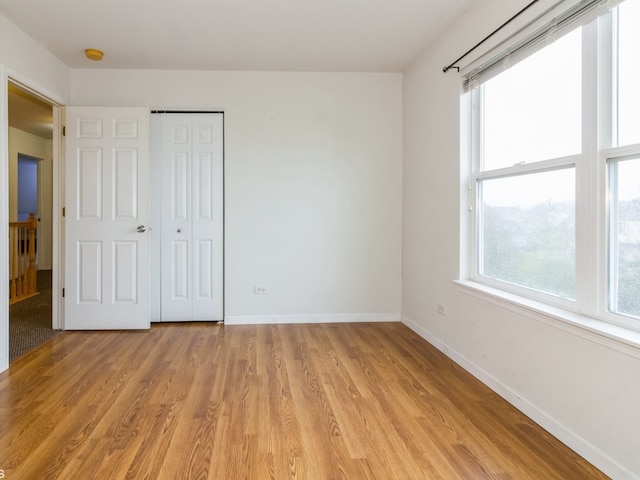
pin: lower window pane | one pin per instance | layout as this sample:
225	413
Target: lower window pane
624	244
527	231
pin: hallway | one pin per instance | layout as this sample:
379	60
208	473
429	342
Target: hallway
30	320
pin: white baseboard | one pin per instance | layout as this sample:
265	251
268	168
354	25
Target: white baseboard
314	318
581	446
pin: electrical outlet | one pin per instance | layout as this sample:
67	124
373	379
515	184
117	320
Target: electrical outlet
441	309
259	290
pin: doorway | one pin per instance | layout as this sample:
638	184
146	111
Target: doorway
31	154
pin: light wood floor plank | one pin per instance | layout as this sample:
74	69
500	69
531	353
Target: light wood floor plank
206	401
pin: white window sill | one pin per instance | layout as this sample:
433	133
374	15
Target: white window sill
619	338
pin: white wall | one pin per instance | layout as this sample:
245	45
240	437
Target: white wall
313	172
581	386
22	59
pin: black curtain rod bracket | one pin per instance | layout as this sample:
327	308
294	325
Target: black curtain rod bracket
453	64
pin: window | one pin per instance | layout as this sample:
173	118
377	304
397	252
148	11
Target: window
555	165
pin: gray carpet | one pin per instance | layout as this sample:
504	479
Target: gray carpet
30	320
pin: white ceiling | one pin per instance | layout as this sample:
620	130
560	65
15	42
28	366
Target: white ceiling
286	35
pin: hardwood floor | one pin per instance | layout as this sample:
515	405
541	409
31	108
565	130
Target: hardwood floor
206	401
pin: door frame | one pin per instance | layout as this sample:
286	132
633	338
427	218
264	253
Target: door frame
7	76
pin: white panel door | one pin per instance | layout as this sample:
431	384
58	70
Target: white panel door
106	243
191	153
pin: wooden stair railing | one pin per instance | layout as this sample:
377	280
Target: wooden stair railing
22	259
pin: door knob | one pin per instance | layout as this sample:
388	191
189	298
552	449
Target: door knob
141	229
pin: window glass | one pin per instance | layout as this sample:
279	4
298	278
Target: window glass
533	111
624	247
528	231
628	73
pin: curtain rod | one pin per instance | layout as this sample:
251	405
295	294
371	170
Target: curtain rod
453	64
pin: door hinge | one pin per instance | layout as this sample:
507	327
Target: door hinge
64	131
64	211
63	293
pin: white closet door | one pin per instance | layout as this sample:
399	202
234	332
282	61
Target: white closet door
191	234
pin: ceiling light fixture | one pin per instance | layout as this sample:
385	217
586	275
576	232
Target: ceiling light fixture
94	54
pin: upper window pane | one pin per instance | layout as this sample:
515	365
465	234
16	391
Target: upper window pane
533	111
628	73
